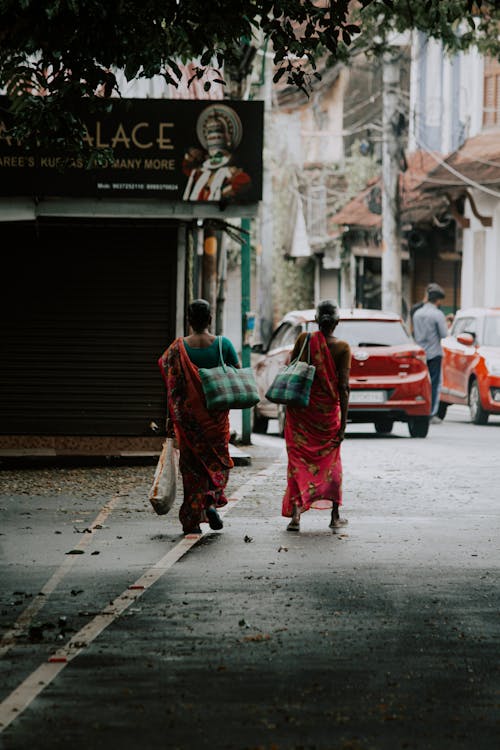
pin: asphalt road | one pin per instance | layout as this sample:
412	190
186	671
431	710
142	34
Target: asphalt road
384	635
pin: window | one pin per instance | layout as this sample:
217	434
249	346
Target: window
316	213
460	325
491	97
492	331
284	336
372	333
471	326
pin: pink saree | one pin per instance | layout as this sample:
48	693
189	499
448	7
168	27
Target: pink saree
311	434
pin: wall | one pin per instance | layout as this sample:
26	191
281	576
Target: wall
481	255
446	96
321	125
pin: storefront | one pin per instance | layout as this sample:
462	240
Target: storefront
96	270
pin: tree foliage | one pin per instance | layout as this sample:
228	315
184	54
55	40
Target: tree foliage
56	53
458	24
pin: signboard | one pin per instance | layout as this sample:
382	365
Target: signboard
175	150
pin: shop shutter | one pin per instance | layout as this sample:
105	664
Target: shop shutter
86	312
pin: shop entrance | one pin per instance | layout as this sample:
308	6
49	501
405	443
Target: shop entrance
86	310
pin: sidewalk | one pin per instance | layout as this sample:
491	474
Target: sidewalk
32	447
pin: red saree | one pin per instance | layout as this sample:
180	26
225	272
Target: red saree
314	464
203	437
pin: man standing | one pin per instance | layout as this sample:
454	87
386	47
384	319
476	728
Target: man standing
417	306
429	327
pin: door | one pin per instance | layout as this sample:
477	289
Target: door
86	311
458	359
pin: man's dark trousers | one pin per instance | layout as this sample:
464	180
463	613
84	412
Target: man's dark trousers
434	366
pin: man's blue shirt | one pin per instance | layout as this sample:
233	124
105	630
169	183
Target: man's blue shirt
429	327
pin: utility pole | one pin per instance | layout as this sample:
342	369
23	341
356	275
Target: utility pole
391	154
246	425
265	307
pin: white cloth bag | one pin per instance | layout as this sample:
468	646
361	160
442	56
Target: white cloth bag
162	492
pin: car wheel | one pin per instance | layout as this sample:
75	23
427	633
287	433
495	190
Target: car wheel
477	413
259	423
418	426
383	426
442	409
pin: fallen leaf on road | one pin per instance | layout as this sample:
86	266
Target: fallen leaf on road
248	539
257	638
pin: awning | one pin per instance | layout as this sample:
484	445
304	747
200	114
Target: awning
475	164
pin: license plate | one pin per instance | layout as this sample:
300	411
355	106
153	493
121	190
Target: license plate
367	397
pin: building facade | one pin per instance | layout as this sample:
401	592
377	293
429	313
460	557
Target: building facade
100	264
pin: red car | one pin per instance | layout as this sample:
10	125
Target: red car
389	378
471	363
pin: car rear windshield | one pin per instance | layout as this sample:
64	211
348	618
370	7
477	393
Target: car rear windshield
492	330
372	333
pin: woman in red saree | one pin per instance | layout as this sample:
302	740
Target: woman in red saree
313	434
202	435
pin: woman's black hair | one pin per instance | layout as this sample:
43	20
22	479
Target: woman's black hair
199	315
327	315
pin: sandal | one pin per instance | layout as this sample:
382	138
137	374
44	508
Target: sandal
338	523
293	526
194	530
213	518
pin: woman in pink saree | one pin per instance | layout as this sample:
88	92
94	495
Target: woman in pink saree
314	433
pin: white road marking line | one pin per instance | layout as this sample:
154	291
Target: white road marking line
22	696
22	622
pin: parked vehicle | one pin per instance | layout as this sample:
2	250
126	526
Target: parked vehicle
471	363
389	379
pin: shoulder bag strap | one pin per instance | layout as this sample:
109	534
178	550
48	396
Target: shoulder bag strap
306	342
221	358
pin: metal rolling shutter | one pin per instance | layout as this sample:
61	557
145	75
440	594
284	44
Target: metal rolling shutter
86	311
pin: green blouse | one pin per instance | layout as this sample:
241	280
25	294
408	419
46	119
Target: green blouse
208	356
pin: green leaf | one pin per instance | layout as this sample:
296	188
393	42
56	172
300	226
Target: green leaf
279	75
206	58
174	67
131	70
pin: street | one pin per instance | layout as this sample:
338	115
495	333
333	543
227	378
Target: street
383	635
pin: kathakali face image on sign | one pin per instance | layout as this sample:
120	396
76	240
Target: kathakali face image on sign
212	171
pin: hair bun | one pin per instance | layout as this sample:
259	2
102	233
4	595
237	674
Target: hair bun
327	318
